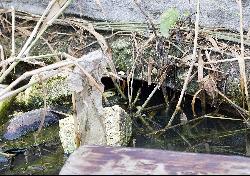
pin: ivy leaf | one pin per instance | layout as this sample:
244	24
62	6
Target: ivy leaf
167	20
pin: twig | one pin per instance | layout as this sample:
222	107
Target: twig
13	45
36	71
44	111
49	22
14	92
193	101
136	98
7	154
2	59
243	78
33	72
130	79
21	53
27	46
222	118
137	114
232	103
200	78
25	59
148	99
191	66
196	65
147	17
76	122
174	126
225	60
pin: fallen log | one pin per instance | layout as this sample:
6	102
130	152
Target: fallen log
97	160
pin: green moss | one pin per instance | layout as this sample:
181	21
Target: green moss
4	109
43	165
57	93
48	134
122	53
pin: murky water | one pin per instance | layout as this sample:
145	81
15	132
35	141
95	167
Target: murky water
220	137
30	159
215	133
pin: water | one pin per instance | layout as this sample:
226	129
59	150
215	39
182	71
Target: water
216	132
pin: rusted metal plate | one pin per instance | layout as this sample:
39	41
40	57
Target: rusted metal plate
91	160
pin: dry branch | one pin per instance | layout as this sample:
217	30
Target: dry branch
191	65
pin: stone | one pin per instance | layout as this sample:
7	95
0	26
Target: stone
96	124
55	89
214	13
118	129
27	122
118	126
67	134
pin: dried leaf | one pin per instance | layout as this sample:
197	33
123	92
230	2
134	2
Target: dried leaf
210	86
183	118
56	7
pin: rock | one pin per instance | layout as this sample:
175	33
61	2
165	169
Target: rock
57	92
27	122
97	125
4	106
88	96
4	163
118	127
67	134
215	13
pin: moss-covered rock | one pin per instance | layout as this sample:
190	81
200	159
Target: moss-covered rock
122	53
227	79
5	107
55	90
47	135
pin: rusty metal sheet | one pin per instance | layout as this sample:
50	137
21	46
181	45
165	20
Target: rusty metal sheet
100	160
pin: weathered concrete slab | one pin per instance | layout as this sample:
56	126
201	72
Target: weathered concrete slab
214	13
99	160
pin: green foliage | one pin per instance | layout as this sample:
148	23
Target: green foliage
168	20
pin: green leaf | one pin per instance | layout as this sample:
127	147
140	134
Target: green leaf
168	20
